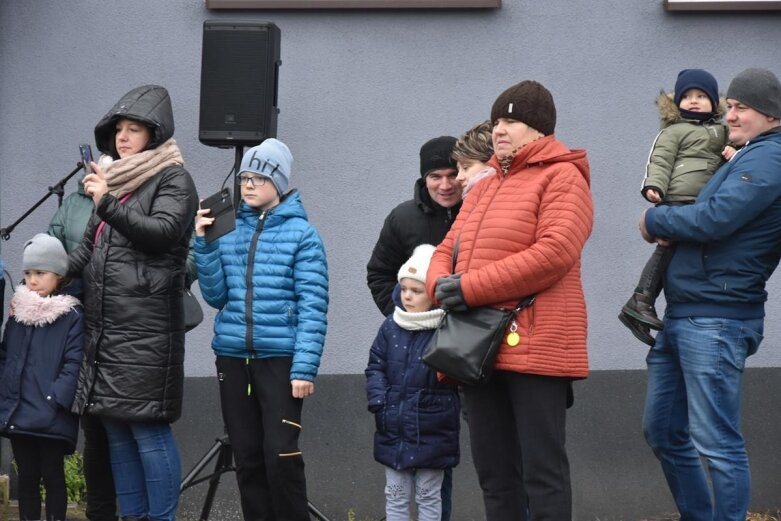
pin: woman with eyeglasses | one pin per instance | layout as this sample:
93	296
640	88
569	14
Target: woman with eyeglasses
269	280
132	262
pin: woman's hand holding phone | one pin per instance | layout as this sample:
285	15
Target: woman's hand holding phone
95	184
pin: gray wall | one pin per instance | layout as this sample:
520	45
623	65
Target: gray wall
360	91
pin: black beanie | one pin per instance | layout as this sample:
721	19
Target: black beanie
435	153
529	102
697	79
759	89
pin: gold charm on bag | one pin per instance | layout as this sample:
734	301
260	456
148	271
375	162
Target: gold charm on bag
513	338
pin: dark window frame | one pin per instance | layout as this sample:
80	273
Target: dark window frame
352	4
722	5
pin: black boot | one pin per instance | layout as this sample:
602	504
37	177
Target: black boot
640	330
641	307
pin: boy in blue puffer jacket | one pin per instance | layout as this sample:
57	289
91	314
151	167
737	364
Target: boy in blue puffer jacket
417	416
269	280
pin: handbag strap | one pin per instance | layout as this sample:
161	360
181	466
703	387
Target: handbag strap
455	254
522	304
525	303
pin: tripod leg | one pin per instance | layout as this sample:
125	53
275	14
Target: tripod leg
315	512
223	465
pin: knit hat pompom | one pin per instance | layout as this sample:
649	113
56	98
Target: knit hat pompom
435	153
529	102
697	79
45	253
416	267
759	89
271	159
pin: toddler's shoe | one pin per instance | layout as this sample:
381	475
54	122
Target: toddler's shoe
640	330
641	307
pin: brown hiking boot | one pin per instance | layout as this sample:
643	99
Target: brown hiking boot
641	331
641	308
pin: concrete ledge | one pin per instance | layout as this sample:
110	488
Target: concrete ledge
614	474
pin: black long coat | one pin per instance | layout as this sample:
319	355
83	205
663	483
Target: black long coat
133	281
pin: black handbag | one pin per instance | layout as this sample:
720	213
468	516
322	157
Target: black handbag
465	343
193	314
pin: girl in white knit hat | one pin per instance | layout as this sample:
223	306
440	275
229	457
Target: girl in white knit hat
417	416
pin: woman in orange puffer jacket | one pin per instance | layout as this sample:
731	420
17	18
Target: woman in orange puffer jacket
521	233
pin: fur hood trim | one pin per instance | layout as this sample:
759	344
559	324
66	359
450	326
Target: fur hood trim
669	112
31	309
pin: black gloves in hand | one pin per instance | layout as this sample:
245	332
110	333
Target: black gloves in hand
449	294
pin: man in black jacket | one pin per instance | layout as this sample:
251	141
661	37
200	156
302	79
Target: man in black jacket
424	219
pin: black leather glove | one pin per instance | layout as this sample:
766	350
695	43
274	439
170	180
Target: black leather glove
449	294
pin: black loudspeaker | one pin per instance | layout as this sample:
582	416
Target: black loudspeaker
239	80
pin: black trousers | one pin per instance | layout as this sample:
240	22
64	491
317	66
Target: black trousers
652	277
517	425
101	495
264	423
40	458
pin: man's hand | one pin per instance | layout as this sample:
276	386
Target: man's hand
643	231
95	183
650	238
302	388
448	293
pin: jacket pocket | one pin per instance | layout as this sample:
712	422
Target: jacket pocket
688	177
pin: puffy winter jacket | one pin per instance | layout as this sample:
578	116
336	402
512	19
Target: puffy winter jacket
133	279
416	416
729	240
39	364
269	280
412	223
70	220
521	232
684	154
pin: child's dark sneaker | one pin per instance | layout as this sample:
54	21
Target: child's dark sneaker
641	331
641	308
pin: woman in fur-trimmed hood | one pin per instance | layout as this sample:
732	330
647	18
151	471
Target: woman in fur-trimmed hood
132	262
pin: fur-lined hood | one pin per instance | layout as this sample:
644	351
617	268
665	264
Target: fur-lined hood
669	113
31	309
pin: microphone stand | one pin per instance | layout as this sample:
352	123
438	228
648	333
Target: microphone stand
58	189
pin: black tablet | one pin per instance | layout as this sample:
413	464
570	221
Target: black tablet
221	206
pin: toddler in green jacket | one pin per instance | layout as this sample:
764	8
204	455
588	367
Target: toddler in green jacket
684	156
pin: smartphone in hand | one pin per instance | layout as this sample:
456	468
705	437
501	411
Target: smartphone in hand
86	157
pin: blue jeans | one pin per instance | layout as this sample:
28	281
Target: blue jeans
146	467
692	409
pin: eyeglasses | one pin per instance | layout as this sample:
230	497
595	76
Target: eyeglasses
255	180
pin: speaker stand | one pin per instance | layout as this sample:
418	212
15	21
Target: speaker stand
236	165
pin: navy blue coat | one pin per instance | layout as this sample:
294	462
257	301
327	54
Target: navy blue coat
39	367
729	240
416	416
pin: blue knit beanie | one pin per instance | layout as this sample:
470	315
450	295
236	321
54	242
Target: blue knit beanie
697	79
271	159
